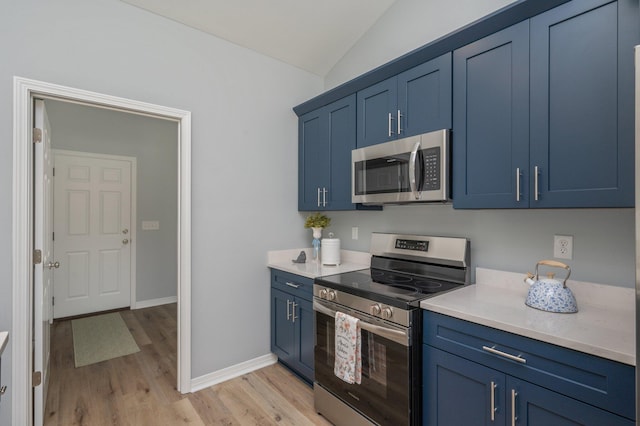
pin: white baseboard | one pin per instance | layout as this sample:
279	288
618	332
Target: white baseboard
232	372
154	302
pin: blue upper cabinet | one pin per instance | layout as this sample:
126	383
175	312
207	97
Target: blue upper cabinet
377	106
325	140
543	111
490	146
413	102
582	123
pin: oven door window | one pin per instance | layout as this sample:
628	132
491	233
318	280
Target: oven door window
385	391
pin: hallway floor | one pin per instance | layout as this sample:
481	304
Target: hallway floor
140	389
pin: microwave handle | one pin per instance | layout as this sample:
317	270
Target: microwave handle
412	171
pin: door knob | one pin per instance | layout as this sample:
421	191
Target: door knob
53	265
125	241
125	231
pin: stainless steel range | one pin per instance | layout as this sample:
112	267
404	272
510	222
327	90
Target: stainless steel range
405	269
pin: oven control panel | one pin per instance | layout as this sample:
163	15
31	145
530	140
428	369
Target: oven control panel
363	305
415	245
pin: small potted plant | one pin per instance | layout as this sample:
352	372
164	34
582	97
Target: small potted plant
316	222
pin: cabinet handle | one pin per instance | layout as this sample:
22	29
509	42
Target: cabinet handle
493	400
293	311
292	285
399	122
535	183
518	184
288	309
514	418
494	351
318	196
324	197
389	125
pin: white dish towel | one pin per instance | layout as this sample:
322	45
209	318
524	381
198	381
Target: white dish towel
348	360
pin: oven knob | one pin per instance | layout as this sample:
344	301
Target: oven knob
387	313
375	309
323	293
331	295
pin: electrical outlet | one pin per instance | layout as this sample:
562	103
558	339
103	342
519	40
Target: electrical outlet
354	233
563	246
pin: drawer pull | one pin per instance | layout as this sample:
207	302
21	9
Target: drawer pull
494	351
292	285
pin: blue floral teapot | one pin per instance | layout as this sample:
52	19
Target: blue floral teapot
549	294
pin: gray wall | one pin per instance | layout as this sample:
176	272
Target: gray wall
244	133
154	144
511	240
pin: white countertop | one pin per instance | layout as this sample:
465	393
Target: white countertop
603	326
4	338
350	261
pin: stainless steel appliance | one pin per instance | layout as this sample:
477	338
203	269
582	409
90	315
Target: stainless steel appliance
405	269
413	169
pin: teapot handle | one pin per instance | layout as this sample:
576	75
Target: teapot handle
555	264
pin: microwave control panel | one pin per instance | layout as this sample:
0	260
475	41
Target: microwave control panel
431	164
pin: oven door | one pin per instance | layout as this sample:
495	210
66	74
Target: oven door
385	394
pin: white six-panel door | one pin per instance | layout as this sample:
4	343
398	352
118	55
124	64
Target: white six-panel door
92	211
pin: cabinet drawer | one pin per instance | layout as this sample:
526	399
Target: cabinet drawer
600	382
293	284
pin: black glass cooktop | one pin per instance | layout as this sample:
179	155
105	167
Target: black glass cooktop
392	288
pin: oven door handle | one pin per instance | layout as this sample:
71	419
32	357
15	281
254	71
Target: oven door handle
399	336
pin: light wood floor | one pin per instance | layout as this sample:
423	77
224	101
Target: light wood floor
140	389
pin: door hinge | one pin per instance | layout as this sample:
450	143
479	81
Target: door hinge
37	257
53	301
36	378
37	135
53	170
53	236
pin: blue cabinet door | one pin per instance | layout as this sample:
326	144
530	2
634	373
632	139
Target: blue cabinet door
342	140
305	338
460	392
490	121
282	329
582	124
377	113
424	98
537	406
313	159
325	141
413	102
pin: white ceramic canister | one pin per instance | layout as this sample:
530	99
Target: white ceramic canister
330	249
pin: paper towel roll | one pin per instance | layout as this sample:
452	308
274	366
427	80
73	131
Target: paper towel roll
330	251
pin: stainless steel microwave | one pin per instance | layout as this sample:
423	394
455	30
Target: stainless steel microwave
408	170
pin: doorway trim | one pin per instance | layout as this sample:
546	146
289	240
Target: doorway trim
24	91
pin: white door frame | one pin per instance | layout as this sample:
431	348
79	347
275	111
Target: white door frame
134	207
24	91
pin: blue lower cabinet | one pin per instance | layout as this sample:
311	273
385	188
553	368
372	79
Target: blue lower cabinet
537	406
478	375
459	392
292	337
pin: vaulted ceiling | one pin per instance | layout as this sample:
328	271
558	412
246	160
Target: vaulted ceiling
310	34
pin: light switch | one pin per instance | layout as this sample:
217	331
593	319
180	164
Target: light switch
150	225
